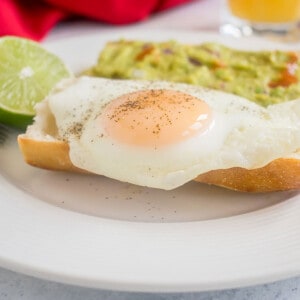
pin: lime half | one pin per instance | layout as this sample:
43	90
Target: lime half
27	73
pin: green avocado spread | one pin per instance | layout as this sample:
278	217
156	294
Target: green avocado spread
265	77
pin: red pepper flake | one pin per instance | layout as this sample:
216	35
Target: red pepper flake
218	64
288	75
147	49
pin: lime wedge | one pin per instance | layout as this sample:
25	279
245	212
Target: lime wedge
27	73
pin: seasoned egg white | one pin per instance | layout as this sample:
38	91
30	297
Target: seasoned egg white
235	132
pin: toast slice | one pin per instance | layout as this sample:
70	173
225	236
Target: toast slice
42	149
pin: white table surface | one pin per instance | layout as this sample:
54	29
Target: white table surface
197	15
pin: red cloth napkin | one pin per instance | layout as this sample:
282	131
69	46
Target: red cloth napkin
34	18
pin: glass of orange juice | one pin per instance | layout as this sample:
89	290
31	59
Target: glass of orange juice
247	17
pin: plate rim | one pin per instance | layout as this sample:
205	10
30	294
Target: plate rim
29	269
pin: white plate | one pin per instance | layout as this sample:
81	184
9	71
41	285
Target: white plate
96	232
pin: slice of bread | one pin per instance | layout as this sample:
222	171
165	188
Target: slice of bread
280	174
41	148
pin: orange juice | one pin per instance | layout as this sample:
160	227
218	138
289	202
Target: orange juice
273	11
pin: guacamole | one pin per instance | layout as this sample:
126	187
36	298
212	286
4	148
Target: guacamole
265	77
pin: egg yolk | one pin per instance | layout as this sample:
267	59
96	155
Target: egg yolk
155	117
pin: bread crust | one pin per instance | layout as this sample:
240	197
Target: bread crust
279	175
50	155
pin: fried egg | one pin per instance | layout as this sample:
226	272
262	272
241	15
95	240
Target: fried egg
162	135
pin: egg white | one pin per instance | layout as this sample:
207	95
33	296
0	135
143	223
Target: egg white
243	134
